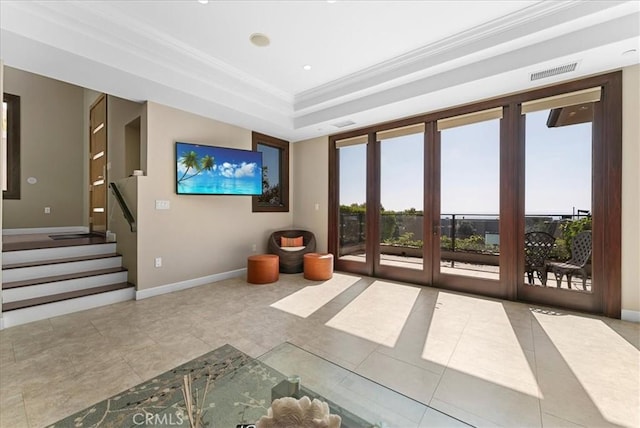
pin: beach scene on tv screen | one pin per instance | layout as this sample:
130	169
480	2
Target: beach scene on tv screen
217	170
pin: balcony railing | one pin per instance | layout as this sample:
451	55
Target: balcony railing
459	233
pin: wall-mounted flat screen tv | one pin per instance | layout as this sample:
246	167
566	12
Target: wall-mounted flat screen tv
208	170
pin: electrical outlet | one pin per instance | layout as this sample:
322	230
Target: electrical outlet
158	262
317	206
47	210
254	248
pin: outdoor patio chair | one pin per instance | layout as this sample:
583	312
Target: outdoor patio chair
580	253
537	247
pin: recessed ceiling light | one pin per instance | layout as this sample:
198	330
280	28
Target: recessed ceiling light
306	67
259	39
331	1
203	1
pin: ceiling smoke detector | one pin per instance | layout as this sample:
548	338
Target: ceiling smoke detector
567	68
344	123
259	39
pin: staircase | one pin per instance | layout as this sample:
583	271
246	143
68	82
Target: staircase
44	279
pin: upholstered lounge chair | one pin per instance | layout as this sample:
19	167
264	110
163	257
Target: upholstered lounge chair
291	258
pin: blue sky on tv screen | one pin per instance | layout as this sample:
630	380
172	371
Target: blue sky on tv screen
217	170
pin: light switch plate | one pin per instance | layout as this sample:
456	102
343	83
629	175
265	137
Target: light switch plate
162	204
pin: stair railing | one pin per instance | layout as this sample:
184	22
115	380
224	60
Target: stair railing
123	205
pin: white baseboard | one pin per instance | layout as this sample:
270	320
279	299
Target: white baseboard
633	316
1	323
50	310
190	283
31	230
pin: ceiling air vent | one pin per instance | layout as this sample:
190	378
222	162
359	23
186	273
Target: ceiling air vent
344	123
554	71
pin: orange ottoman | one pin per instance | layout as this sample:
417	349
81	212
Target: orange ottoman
318	267
263	268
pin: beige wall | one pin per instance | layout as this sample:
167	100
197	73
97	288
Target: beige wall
310	181
119	113
631	189
51	150
199	235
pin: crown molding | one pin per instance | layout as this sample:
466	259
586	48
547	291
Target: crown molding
568	44
106	26
522	23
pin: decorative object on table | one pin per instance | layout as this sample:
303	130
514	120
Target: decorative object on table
318	267
262	269
580	254
291	257
303	413
195	411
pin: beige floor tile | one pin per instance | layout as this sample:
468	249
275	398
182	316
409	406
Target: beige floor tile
435	418
402	377
565	397
342	345
551	421
503	363
482	360
379	313
12	412
151	361
7	356
487	400
327	356
26	332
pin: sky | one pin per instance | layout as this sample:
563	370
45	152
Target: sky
557	169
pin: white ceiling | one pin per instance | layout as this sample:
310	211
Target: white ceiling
371	61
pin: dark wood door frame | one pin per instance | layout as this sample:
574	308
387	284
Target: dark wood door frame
607	184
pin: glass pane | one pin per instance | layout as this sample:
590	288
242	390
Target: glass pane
470	200
401	199
353	197
271	190
558	171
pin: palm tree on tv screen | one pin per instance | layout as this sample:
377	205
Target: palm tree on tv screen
191	161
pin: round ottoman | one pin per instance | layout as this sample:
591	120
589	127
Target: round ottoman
263	268
318	267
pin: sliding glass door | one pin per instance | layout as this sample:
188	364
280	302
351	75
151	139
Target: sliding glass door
468	184
400	218
353	253
517	198
561	141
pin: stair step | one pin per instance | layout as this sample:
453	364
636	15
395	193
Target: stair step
21	304
51	243
68	266
118	293
46	286
55	253
58	278
58	261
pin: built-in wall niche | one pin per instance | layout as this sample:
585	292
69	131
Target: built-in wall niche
132	146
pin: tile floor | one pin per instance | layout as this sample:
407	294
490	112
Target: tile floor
485	361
